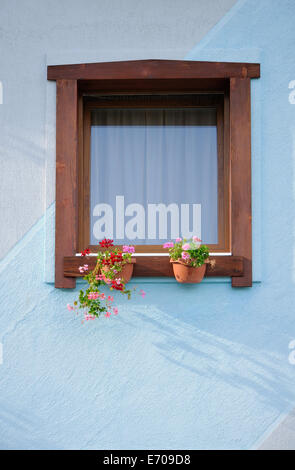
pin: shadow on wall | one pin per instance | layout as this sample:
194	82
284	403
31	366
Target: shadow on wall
220	360
21	429
21	144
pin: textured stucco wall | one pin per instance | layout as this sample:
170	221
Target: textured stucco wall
189	366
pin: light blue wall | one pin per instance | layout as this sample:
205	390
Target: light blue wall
190	366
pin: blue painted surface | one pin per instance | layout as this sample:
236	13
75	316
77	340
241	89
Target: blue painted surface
190	366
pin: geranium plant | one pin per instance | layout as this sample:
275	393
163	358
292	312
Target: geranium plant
109	271
188	258
189	251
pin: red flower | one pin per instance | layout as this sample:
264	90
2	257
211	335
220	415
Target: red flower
117	286
106	243
116	258
85	252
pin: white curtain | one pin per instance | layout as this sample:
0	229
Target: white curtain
156	156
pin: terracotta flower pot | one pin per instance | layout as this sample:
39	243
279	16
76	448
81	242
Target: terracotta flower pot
126	272
188	274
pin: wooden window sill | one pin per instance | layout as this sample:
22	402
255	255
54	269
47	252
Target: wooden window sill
158	266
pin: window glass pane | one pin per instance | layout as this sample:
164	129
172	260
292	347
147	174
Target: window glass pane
153	175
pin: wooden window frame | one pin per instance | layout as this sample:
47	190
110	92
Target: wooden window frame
154	76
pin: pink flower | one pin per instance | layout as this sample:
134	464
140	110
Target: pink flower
93	295
69	307
178	240
102	296
115	310
128	249
197	242
186	246
108	314
87	317
84	268
168	245
110	298
99	277
142	293
185	255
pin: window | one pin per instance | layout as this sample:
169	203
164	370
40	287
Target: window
150	114
154	170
